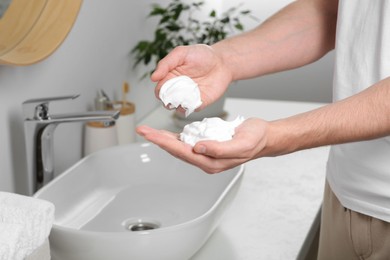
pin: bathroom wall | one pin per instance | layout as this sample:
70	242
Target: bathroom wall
309	83
95	55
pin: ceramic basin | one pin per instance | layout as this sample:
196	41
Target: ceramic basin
136	202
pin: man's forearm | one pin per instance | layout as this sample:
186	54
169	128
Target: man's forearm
299	34
364	116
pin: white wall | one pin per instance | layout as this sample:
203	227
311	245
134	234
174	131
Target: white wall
95	55
310	83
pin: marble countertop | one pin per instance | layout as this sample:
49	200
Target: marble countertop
279	198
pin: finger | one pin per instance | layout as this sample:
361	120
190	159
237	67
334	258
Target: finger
223	150
169	76
165	69
170	143
147	131
248	140
207	164
219	165
143	130
159	85
169	63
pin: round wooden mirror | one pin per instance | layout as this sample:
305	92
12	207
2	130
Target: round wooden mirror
30	30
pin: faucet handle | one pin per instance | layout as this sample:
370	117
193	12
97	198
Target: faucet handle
39	108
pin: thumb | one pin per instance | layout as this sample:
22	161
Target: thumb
169	63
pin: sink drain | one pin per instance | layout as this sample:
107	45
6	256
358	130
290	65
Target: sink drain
140	224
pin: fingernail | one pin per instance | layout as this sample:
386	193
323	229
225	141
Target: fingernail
200	149
142	130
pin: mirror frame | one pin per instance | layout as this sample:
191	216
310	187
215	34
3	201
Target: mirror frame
31	30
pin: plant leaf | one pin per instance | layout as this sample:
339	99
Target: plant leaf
157	10
225	20
239	26
245	12
198	4
164	19
177	12
172	30
173	27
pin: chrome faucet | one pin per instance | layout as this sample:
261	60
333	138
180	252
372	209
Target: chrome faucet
39	128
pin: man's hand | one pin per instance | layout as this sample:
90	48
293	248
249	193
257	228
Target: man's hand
213	156
199	62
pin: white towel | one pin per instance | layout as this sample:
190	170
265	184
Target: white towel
35	217
41	253
9	237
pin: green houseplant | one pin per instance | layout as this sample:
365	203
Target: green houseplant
178	25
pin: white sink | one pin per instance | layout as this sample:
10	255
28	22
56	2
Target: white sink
136	202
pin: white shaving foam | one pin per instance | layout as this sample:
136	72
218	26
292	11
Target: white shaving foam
213	128
181	91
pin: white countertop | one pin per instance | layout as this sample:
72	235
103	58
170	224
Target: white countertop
279	197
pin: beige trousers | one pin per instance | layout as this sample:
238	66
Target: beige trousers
346	234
